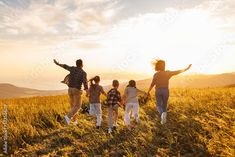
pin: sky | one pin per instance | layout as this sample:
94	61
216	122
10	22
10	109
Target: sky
117	39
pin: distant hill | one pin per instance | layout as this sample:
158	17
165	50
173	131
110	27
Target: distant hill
11	91
194	81
180	81
231	85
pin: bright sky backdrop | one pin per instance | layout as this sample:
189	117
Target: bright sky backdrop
117	39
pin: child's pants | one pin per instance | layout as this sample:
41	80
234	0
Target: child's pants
135	112
112	115
162	95
95	110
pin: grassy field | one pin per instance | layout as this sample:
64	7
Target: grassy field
201	122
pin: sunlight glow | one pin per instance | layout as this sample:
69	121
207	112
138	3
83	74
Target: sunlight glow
112	42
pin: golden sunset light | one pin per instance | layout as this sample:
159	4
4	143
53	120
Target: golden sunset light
117	78
112	41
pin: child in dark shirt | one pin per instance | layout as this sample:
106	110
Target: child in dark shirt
113	100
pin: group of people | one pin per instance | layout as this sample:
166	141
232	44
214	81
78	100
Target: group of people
78	77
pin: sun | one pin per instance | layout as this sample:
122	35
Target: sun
187	39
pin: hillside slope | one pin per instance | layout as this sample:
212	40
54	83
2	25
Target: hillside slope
11	91
195	81
181	81
200	123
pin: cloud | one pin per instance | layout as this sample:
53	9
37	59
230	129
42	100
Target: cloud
89	45
55	18
223	12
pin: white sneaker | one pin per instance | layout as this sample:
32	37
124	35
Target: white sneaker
129	127
137	121
67	120
115	125
163	118
75	122
110	130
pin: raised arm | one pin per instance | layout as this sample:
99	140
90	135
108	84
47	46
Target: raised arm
57	63
180	71
62	65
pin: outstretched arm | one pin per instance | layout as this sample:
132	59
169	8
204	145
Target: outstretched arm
181	71
57	63
62	65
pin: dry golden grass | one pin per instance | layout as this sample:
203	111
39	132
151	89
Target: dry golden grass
200	123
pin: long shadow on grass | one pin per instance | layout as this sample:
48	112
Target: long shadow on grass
54	141
124	141
180	137
116	143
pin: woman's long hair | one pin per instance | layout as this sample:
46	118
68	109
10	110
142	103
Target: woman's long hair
159	64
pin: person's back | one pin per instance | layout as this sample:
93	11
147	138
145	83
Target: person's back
94	93
113	97
161	78
131	94
76	77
